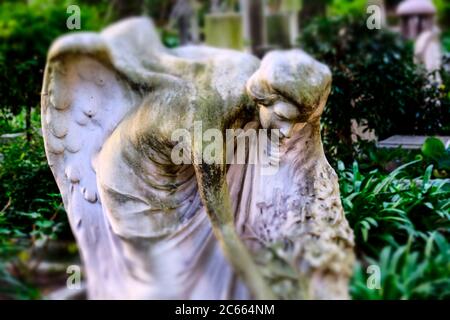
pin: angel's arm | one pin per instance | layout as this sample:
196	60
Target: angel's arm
215	195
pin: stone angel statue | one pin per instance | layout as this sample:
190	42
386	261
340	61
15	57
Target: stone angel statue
149	227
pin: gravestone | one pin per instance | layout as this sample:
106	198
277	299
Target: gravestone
408	142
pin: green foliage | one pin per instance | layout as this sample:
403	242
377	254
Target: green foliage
170	38
408	273
443	12
446	41
159	10
402	207
11	287
386	160
346	7
434	150
25	175
374	82
400	223
31	211
26	32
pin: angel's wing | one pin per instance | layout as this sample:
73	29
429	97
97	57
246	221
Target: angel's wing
92	81
84	98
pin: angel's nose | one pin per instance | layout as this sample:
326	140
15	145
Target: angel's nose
290	130
286	130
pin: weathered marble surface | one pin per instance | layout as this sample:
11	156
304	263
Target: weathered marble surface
150	229
428	51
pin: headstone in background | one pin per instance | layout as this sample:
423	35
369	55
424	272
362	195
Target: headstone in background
215	6
224	30
416	16
184	17
291	5
278	29
419	24
428	50
408	142
282	23
254	26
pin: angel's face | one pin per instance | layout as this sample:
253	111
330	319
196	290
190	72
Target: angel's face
280	115
290	89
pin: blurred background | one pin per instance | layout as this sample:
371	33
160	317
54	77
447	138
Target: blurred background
386	127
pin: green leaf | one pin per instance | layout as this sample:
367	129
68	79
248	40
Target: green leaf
45	223
427	177
433	148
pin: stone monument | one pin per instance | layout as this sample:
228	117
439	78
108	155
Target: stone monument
152	227
418	24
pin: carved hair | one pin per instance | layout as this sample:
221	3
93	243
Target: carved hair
293	76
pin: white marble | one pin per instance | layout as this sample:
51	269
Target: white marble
150	229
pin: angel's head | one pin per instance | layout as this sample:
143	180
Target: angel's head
290	89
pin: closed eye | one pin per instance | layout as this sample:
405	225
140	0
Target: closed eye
268	100
281	117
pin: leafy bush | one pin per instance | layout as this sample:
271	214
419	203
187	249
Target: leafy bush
443	12
401	223
27	188
31	211
26	32
434	150
402	207
446	41
346	7
375	82
408	273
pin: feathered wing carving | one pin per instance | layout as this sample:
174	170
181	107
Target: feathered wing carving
92	83
83	100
